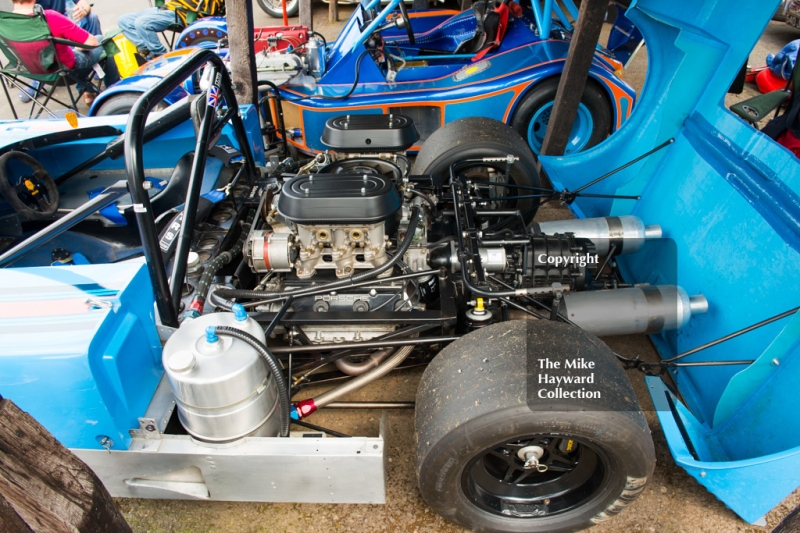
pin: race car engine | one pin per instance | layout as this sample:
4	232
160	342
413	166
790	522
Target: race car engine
323	221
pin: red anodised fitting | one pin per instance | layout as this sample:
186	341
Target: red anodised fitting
303	408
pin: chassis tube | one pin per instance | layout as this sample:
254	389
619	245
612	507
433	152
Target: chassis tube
193	197
58	227
134	165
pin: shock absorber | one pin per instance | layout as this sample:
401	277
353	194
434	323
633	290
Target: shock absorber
627	233
633	310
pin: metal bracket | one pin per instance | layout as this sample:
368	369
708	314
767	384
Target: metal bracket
148	428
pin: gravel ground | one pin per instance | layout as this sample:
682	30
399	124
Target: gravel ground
673	502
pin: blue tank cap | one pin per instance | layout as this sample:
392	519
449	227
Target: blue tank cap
211	334
239	312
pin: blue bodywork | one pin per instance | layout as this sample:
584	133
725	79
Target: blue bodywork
80	349
728	199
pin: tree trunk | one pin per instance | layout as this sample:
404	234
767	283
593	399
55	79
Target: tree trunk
306	18
333	11
573	79
240	40
46	489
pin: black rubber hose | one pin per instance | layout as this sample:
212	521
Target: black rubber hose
324	41
272	365
416	214
219	302
355	81
278	110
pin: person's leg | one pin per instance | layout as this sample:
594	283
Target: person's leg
147	25
127	23
91	23
86	59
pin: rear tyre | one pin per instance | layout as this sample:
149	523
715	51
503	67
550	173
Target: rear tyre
592	123
478	411
274	9
477	138
118	104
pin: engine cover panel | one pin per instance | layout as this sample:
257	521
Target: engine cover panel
337	198
370	133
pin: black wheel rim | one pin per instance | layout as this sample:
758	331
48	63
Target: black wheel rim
497	480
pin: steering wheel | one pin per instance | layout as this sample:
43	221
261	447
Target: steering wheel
34	197
407	22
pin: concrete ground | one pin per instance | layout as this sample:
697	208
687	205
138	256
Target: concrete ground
673	502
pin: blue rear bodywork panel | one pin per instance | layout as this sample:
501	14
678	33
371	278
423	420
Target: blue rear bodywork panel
80	352
728	199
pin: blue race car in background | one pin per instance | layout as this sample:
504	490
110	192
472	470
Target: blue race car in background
433	66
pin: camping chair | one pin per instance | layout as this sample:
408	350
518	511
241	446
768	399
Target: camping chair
29	46
178	26
759	107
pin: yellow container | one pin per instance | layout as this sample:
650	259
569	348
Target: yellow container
125	60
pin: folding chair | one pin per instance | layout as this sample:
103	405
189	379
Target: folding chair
176	27
30	48
759	107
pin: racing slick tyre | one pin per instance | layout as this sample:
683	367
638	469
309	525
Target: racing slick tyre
492	455
478	138
118	104
274	9
592	123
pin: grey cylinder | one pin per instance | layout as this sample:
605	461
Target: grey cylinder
632	310
315	48
267	251
492	259
628	232
222	389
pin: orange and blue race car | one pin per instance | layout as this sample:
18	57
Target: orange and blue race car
500	61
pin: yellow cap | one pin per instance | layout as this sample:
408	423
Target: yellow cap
479	304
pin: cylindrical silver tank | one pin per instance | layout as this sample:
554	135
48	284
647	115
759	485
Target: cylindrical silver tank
627	232
632	310
315	47
222	388
492	259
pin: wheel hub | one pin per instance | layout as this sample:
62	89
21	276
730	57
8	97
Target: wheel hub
530	455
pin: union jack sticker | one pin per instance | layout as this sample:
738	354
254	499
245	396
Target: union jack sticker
213	96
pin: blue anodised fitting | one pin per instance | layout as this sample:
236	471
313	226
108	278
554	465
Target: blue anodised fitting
293	414
211	334
239	312
296	133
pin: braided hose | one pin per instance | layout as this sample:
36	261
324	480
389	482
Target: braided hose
195	309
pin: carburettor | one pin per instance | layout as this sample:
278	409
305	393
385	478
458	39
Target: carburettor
344	247
330	221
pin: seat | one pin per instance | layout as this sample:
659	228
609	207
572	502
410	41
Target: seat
759	107
491	23
30	48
